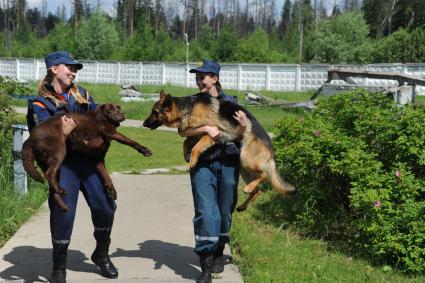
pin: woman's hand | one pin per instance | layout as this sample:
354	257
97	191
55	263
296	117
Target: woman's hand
68	125
212	131
240	116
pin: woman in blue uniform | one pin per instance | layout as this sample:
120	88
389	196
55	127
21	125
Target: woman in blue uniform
214	181
58	94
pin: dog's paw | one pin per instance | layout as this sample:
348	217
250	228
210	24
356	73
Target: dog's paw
192	163
144	150
112	193
240	208
247	190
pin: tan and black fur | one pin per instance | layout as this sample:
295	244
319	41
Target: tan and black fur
94	131
256	158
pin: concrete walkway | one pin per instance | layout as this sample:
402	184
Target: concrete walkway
152	238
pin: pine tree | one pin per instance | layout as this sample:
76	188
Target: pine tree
285	21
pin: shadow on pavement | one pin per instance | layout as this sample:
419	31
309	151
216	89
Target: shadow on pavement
181	259
34	264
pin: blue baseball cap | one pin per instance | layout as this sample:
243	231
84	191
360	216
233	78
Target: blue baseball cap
61	57
207	67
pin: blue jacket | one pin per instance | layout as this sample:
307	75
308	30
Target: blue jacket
43	109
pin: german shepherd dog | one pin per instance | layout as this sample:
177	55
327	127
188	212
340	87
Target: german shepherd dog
256	157
92	136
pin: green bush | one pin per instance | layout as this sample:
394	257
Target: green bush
14	209
358	161
402	46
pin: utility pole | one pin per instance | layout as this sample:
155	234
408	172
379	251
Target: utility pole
186	39
301	32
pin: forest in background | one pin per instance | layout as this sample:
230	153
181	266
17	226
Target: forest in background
304	31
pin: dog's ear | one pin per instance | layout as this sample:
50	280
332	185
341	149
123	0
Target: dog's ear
167	102
100	111
162	95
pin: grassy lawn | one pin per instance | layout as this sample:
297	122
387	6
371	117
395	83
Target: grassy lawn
166	147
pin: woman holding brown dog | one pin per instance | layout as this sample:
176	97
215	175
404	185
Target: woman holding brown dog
58	94
214	181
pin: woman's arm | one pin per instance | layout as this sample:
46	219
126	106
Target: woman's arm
212	131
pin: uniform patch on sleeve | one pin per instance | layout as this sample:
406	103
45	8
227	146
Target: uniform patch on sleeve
39	104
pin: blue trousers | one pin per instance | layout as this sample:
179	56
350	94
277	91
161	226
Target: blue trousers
77	173
214	190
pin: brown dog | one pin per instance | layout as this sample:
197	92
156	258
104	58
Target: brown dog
257	157
92	136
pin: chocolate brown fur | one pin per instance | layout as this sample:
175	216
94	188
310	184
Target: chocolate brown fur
256	158
92	136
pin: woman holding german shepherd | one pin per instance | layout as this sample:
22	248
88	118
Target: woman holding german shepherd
58	94
214	181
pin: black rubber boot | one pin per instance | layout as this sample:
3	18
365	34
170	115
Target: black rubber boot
218	260
59	270
206	267
101	258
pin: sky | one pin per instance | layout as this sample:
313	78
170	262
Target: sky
109	5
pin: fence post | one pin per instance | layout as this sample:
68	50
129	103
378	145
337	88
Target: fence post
163	74
36	73
97	72
141	73
187	74
239	77
17	69
268	77
298	78
20	134
119	73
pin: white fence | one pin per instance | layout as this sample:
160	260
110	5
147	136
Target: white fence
274	77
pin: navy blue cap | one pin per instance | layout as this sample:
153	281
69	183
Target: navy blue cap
61	57
207	67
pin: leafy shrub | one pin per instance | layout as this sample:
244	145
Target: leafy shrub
14	209
401	46
358	161
6	118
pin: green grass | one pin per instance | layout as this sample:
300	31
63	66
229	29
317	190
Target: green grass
265	253
15	209
166	147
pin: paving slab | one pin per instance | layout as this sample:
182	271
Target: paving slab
152	238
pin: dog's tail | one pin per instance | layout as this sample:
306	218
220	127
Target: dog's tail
28	162
281	186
